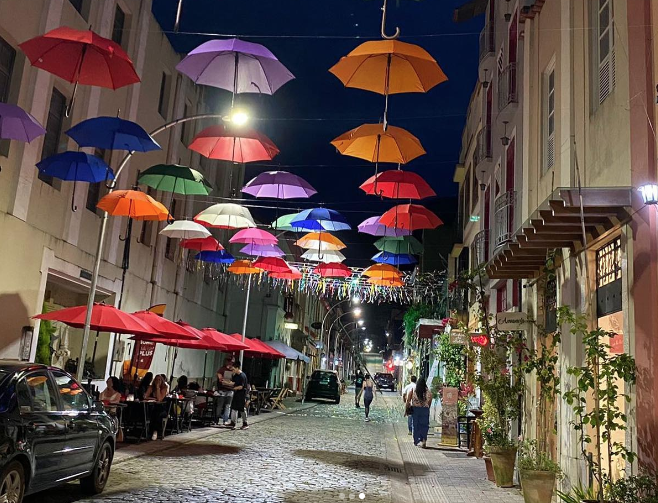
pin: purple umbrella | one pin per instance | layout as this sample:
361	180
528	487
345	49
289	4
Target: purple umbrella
262	250
279	185
235	65
372	226
17	124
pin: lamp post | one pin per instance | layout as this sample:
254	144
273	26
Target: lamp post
324	319
329	334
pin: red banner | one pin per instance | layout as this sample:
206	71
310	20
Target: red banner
141	359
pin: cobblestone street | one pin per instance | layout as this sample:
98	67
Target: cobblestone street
324	453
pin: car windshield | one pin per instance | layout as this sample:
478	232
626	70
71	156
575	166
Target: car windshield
386	376
323	375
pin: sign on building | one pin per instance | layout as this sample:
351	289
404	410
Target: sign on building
458	337
511	321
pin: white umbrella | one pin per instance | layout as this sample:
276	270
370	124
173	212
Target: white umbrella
185	229
226	216
325	256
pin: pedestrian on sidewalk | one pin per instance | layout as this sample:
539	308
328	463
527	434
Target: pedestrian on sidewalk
224	394
420	400
239	385
358	384
409	388
368	395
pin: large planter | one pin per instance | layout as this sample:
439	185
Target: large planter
537	486
490	473
503	460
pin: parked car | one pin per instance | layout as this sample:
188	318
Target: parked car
385	381
51	432
324	384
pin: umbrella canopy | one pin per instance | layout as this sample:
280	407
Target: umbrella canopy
208	339
398	245
394	259
320	241
243	267
202	244
104	318
283	223
112	133
235	65
175	178
372	143
262	250
279	185
215	257
133	204
374	228
411	217
382	271
272	264
229	343
258	348
17	124
292	274
389	67
233	144
287	351
333	270
81	56
163	326
226	216
76	167
388	282
254	236
317	219
397	184
323	256
184	229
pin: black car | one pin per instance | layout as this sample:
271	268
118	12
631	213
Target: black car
51	432
323	384
385	381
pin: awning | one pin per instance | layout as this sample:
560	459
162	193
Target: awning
290	353
469	10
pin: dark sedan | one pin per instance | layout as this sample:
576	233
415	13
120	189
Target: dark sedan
51	432
323	384
385	381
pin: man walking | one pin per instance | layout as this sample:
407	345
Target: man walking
223	400
239	385
409	388
358	384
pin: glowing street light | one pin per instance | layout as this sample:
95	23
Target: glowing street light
239	117
356	300
357	312
361	322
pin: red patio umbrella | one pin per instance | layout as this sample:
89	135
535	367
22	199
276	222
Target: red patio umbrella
233	144
397	184
202	244
272	265
333	270
411	217
257	348
104	318
164	326
292	274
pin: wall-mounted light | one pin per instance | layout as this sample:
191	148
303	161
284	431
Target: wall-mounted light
290	325
649	193
483	186
485	82
508	14
475	218
505	139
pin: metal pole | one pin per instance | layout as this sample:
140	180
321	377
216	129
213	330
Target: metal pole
246	313
178	13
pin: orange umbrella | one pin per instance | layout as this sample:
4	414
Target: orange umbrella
243	267
323	240
392	282
133	204
375	144
382	271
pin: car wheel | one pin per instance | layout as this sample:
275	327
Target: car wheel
12	483
95	483
337	400
308	398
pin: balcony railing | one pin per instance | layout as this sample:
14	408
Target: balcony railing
504	218
507	86
480	248
483	146
486	42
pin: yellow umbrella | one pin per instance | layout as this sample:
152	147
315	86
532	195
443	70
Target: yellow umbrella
320	240
382	271
243	267
375	144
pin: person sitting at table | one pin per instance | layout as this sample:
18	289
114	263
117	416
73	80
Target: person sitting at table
183	389
112	393
144	385
157	392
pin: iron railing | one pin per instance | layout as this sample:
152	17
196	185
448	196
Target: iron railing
507	86
504	207
480	248
483	146
487	42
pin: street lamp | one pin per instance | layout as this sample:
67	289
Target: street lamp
239	117
361	322
357	312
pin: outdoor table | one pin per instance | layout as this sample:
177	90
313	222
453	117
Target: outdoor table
259	399
209	413
177	408
267	394
139	416
115	410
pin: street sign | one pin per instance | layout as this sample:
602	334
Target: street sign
511	321
458	337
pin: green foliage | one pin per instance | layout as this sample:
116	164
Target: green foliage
452	356
435	387
635	489
532	458
46	331
578	494
411	317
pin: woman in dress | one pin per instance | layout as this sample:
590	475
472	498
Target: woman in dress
368	394
420	400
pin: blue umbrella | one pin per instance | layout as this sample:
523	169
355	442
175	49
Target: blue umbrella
393	259
320	219
76	167
112	133
216	257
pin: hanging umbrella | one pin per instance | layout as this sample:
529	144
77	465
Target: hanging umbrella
133	204
272	264
254	236
17	124
317	219
382	271
333	270
410	216
323	256
394	259
77	167
112	133
81	57
215	257
235	65
397	184
184	229
283	223
162	325
374	228
388	282
233	144
202	244
320	241
372	143
243	267
290	275
398	245
104	318
175	178
279	185
226	216
262	250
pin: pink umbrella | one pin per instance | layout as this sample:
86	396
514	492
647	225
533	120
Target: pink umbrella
374	227
254	236
279	185
293	273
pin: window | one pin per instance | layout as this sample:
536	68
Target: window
163	101
475	194
146	234
82	6
549	118
467	196
118	26
36	393
7	58
608	278
187	128
606	48
501	299
170	246
74	397
96	191
53	136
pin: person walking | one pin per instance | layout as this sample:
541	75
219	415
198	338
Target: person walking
368	394
420	400
358	384
409	388
239	385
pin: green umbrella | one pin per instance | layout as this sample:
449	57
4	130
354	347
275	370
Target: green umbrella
175	178
283	223
400	244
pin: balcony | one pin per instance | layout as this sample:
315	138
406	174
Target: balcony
487	42
504	218
507	90
483	149
480	248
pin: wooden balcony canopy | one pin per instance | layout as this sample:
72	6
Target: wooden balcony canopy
557	224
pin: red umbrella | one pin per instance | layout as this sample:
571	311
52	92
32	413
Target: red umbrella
202	244
229	343
293	273
164	326
258	348
231	144
333	270
272	265
398	184
411	217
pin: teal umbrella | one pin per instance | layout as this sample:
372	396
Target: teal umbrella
283	223
175	178
400	245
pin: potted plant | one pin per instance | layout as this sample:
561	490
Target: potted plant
537	472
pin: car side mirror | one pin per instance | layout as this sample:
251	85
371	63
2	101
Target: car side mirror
97	406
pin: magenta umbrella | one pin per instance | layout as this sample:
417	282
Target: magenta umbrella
254	236
17	124
279	185
262	250
373	227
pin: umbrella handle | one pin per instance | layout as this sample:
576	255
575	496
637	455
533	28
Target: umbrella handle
74	208
384	35
69	107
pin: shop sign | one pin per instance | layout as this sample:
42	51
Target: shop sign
458	337
511	321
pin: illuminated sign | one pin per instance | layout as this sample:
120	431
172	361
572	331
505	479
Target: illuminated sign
480	339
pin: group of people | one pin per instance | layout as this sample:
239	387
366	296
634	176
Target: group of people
232	394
